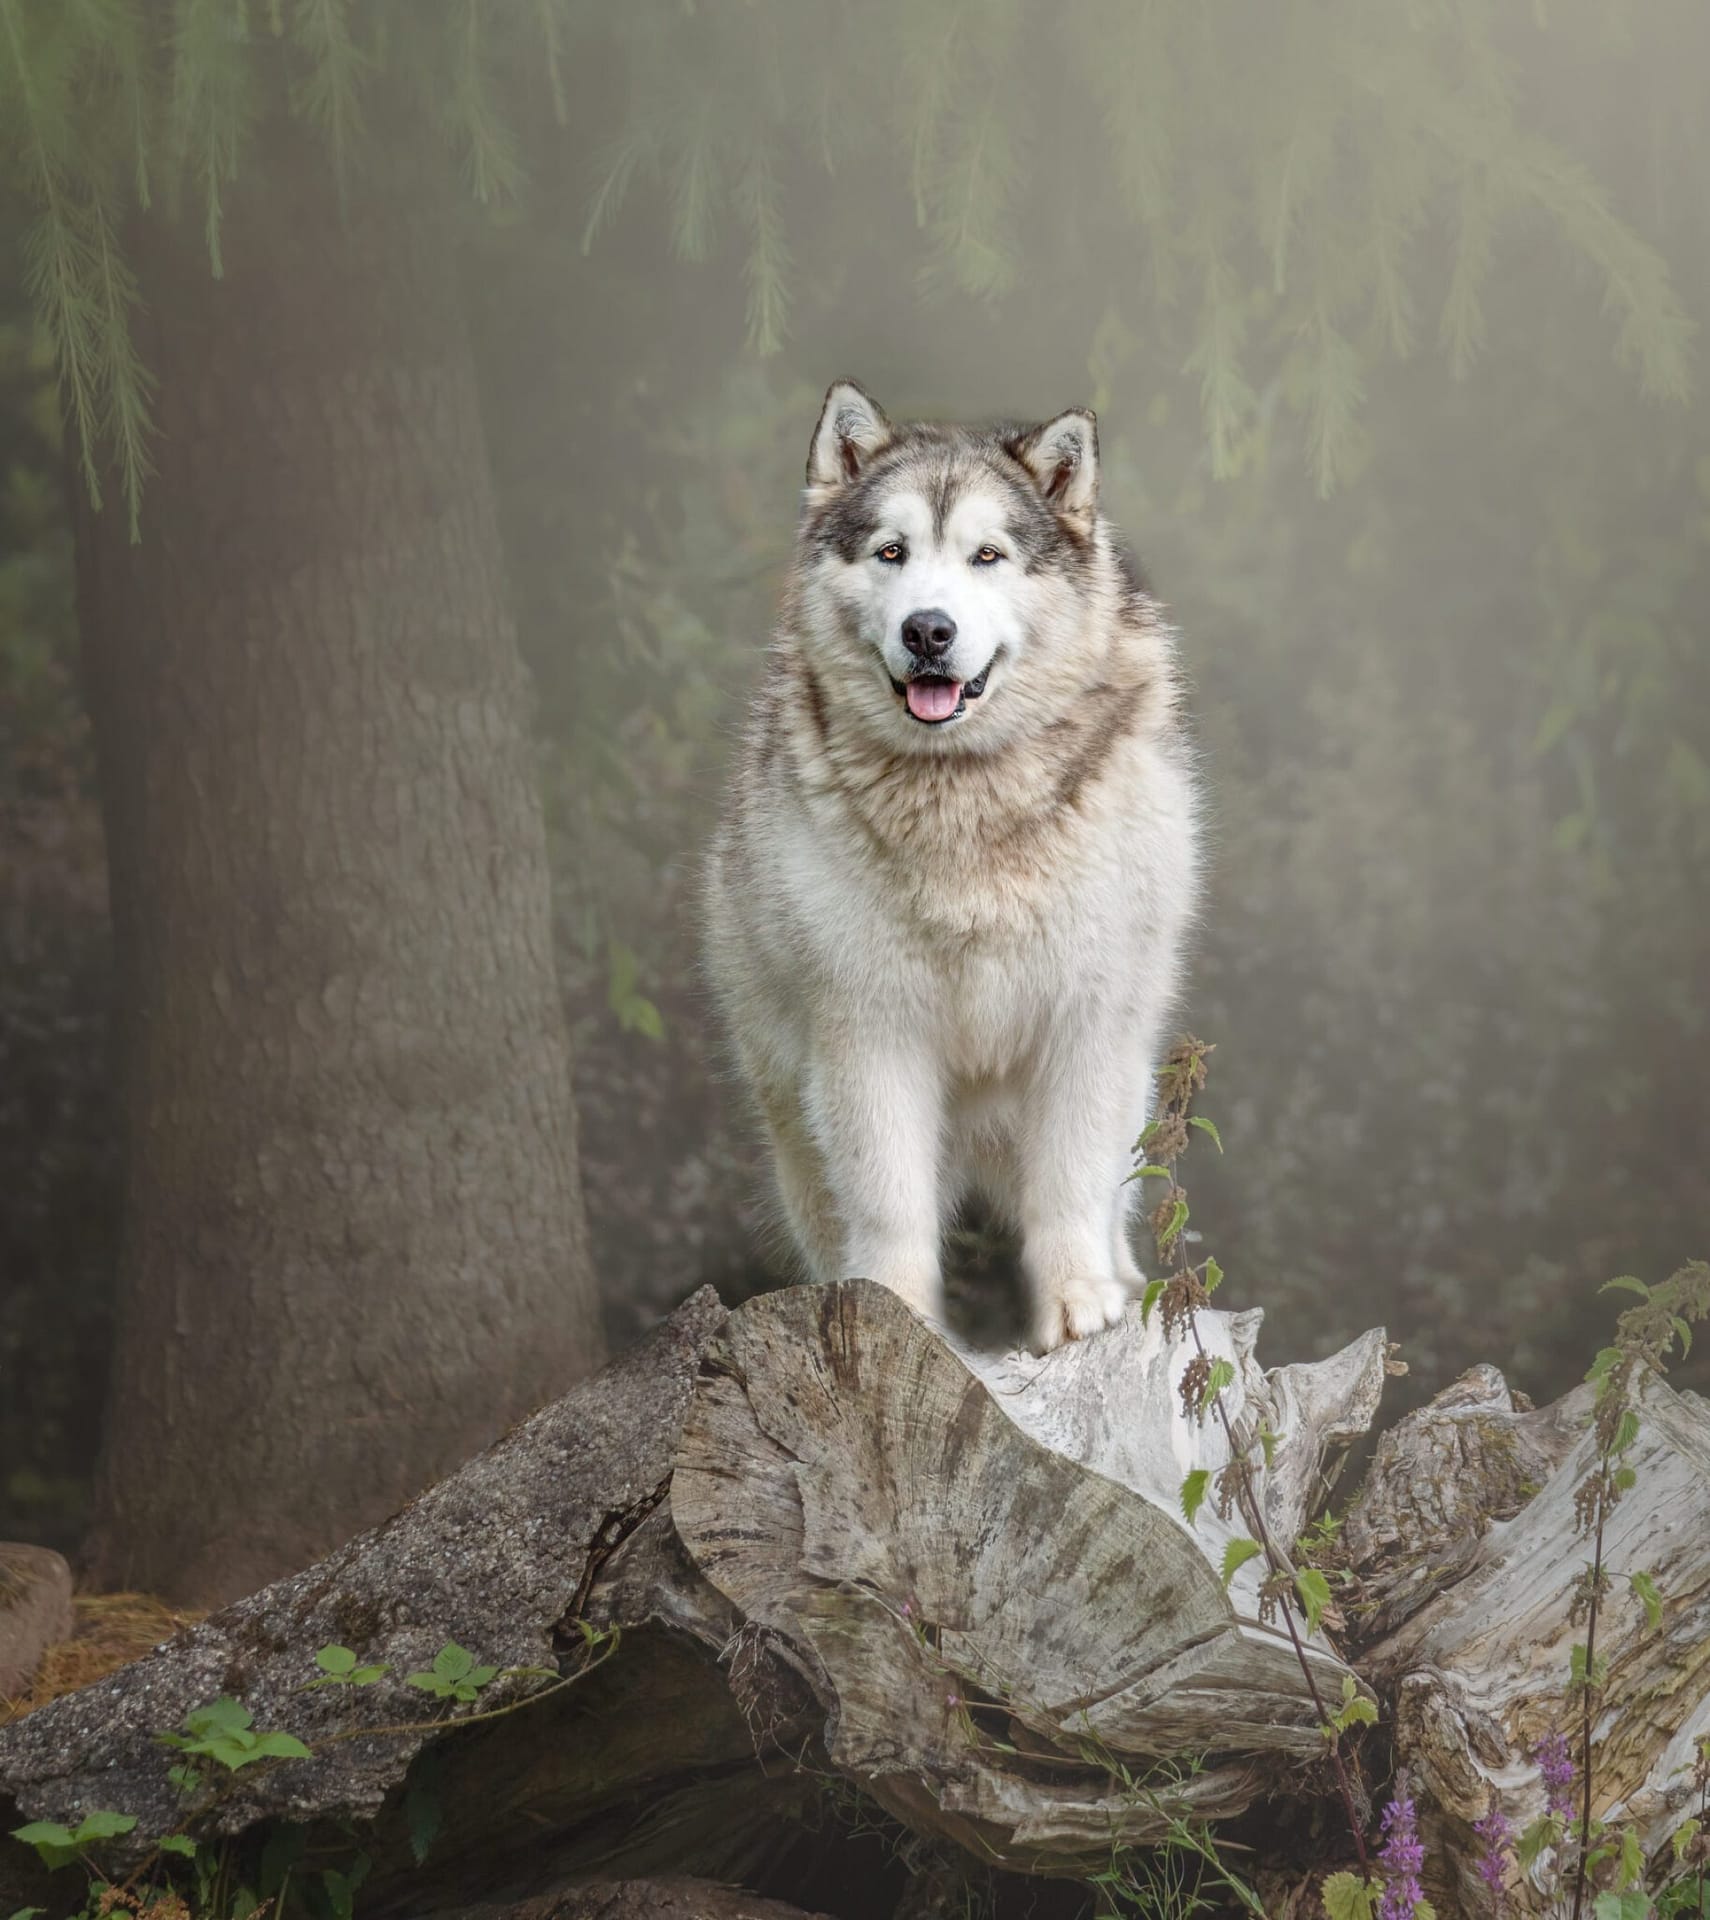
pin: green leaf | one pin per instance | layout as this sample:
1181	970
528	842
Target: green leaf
1544	1832
340	1662
1268	1444
1236	1555
1626	1479
1222	1375
1584	1674
1628	1284
1150	1172
1646	1588
1684	1330
278	1746
1634	1904
1194	1489
453	1662
1205	1126
28	1913
1213	1276
1632	1867
366	1676
1358	1712
1178	1219
43	1832
1606	1359
1149	1299
179	1843
281	1852
424	1811
102	1826
341	1895
1314	1592
1349	1897
1626	1431
218	1716
53	1843
640	1015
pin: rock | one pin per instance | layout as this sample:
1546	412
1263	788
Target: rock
35	1612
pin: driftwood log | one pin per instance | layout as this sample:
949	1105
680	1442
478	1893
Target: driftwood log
863	1579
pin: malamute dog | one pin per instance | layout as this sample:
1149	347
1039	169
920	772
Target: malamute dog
947	900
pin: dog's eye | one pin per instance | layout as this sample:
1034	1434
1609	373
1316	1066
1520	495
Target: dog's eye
892	555
987	556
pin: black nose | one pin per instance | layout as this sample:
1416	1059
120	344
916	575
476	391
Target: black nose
928	632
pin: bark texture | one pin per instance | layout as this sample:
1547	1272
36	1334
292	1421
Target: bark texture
1474	1657
754	1501
858	1574
353	1247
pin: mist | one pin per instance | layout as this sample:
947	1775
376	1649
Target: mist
1391	319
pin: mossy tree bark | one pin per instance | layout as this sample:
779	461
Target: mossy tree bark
353	1246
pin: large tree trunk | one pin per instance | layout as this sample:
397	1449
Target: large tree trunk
353	1245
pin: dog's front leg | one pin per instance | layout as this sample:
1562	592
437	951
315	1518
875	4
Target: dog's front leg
876	1109
1076	1139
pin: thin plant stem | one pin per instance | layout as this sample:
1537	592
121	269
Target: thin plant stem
1586	1698
1274	1559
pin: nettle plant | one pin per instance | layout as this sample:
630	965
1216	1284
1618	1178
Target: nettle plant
1567	1851
1566	1854
1297	1595
182	1876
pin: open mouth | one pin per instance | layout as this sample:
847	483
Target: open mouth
934	700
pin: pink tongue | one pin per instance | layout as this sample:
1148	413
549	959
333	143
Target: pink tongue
933	699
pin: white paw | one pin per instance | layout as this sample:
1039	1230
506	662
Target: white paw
1074	1309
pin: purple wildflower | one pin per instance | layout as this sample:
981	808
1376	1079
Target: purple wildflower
1402	1856
1495	1838
1555	1766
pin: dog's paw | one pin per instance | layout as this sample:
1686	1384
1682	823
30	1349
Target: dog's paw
1074	1309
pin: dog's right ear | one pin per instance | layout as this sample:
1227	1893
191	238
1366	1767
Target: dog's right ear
852	428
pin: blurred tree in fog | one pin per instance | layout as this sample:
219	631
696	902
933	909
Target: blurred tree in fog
352	1246
1432	261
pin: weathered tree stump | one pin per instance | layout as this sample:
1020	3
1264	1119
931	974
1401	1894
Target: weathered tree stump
848	1559
1467	1547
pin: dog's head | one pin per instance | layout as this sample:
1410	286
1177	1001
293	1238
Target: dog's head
954	580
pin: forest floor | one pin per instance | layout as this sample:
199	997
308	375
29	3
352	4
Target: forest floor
112	1630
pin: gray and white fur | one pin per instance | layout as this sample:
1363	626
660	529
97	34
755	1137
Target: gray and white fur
948	897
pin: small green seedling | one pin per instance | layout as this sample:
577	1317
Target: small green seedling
223	1732
338	1668
455	1675
59	1846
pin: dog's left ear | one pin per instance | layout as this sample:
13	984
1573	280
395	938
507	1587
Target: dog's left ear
852	428
1062	457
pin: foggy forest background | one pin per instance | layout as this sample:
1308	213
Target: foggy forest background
1392	318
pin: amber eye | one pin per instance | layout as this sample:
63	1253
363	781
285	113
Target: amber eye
987	556
891	555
